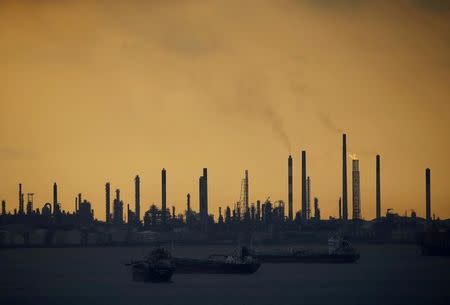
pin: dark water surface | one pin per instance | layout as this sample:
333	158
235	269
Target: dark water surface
384	275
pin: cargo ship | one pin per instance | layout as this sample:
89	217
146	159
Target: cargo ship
158	266
216	264
434	243
340	251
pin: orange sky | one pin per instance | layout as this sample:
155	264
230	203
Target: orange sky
96	91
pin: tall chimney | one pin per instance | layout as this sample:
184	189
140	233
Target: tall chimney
203	194
188	201
340	208
79	200
290	196
308	198
163	195
200	195
378	188
76	204
304	195
55	197
137	197
108	202
344	177
205	190
3	207
246	191
428	194
21	207
356	192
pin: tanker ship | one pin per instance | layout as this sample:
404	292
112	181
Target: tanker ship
217	263
158	266
339	251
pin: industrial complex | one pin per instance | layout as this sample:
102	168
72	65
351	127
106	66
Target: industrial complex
243	221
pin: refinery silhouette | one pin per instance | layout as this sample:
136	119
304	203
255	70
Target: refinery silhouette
260	221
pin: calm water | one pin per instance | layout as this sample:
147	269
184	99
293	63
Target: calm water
384	275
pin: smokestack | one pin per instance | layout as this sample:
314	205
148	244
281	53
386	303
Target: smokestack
137	197
308	198
3	207
163	195
205	190
21	207
378	188
340	208
290	195
356	196
344	177
428	194
203	194
246	191
117	209
304	208
55	197
188	201
108	202
258	210
79	200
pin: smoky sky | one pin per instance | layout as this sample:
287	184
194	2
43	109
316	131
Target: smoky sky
96	91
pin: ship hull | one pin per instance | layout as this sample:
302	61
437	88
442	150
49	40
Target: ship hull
183	265
147	273
317	258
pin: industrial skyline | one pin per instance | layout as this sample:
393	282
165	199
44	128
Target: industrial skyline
226	91
241	206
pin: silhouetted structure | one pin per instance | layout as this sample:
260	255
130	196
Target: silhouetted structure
21	200
118	209
47	210
378	188
344	177
428	195
188	203
85	212
203	198
137	198
308	198
290	190
163	195
246	203
340	208
220	219
3	207
258	210
356	192
79	200
56	208
316	209
30	203
304	190
108	202
188	208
